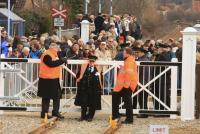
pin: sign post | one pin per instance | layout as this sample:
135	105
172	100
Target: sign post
59	18
59	22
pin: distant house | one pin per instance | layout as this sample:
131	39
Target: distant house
3	3
30	4
17	26
23	4
196	5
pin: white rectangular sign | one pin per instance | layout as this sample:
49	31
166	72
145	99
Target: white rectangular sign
59	22
159	129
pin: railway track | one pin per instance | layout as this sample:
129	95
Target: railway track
113	127
44	127
25	123
48	126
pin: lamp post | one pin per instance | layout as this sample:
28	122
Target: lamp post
86	6
1	74
8	18
111	8
100	4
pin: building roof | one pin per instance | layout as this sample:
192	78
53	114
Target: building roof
13	16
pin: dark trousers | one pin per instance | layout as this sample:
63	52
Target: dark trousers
126	96
45	106
141	98
87	112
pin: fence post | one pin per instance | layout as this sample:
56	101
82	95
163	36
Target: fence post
188	73
85	30
1	85
197	91
174	80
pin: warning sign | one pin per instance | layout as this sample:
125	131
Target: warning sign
159	129
59	22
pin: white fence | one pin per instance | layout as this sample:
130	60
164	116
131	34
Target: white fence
156	92
70	32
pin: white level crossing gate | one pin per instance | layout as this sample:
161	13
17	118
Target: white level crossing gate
156	92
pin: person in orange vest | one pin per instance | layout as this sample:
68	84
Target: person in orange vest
125	85
49	86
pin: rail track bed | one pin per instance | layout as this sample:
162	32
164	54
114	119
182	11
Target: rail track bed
18	123
24	123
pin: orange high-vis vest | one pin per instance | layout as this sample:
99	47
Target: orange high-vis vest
127	75
47	72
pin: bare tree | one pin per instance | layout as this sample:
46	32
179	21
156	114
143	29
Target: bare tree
134	7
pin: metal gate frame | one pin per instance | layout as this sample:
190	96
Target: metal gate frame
24	94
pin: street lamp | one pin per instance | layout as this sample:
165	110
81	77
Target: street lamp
111	8
100	4
86	6
8	18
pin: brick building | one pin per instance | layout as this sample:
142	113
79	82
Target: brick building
196	5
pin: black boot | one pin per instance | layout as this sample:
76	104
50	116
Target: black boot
58	115
83	114
91	113
127	121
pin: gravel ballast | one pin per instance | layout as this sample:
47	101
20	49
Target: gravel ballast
21	123
18	123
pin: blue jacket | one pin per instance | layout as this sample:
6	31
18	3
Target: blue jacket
35	54
4	48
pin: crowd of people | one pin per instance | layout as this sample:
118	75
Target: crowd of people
108	36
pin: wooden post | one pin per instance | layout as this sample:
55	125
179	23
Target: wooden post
197	91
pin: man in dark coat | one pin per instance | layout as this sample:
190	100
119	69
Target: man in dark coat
99	20
162	85
49	86
89	90
144	77
119	56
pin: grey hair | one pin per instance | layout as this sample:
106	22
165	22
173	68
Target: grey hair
26	49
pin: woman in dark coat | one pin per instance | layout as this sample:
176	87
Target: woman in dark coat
89	90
